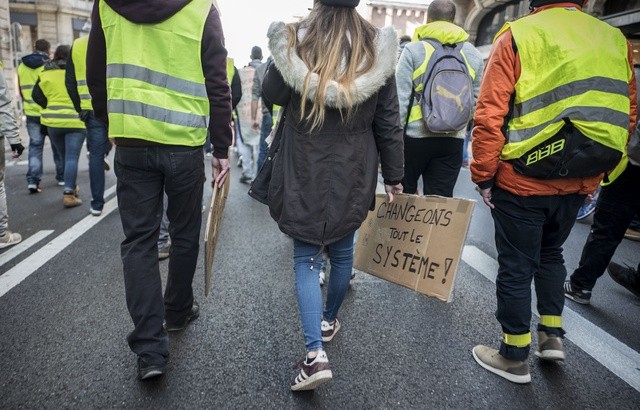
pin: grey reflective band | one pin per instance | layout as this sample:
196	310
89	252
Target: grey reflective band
82	82
591	114
27	87
60	107
29	101
85	96
156	113
62	116
571	89
134	72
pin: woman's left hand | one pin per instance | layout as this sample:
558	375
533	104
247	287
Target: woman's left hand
392	189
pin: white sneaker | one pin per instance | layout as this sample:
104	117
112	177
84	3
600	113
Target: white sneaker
9	238
323	276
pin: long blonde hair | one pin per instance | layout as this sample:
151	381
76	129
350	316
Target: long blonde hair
338	44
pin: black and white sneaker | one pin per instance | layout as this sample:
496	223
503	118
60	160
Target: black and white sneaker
580	296
329	329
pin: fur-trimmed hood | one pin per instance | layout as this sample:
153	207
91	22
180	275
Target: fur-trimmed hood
294	70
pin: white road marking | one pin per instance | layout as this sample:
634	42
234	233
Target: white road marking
21	271
23	246
619	358
13	163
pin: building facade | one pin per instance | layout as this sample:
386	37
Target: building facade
483	18
22	22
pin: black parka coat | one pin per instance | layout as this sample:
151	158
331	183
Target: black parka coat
323	182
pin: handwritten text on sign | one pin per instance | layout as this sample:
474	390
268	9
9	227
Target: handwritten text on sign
415	241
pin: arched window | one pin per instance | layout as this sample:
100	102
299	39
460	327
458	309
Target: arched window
495	19
617	6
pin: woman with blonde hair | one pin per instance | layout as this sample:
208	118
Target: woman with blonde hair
333	73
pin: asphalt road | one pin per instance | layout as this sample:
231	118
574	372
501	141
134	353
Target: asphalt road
63	328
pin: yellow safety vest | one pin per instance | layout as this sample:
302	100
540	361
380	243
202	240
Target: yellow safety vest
79	57
443	31
28	77
59	112
582	76
156	93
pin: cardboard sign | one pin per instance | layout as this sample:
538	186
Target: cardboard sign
415	241
218	199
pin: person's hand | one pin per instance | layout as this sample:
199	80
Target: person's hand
84	115
486	196
392	189
221	169
255	126
17	149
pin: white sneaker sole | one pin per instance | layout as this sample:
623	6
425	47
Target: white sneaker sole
314	381
577	300
6	245
511	377
551	355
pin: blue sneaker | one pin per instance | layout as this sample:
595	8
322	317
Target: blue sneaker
586	210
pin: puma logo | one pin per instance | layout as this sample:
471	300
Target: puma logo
448	94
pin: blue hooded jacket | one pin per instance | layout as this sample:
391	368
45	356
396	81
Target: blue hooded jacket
35	60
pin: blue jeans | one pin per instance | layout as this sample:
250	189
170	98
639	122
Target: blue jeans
97	142
307	259
265	130
68	142
144	175
36	144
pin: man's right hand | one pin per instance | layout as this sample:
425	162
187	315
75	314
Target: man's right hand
221	169
255	126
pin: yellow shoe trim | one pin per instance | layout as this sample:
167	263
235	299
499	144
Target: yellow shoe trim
551	321
517	340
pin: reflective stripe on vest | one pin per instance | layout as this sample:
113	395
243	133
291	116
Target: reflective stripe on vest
415	113
157	94
79	57
28	77
59	112
582	79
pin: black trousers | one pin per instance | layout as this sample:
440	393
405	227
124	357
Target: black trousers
616	207
437	160
529	233
143	174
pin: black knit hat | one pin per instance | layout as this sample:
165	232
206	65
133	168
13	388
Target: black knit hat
340	3
540	3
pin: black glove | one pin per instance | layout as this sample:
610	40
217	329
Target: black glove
84	115
17	149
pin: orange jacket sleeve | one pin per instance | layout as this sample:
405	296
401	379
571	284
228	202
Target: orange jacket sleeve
500	76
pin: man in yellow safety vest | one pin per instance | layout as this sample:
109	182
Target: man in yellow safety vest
29	69
159	101
552	119
97	141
